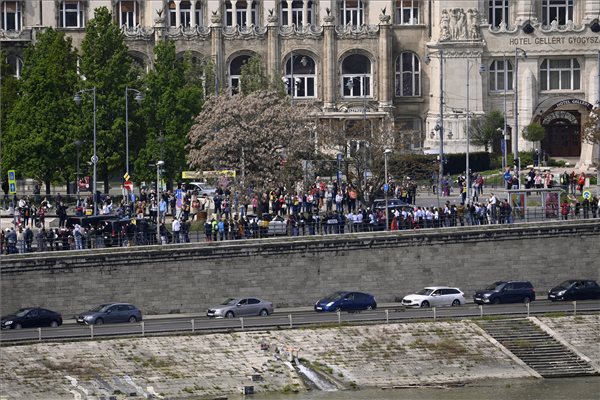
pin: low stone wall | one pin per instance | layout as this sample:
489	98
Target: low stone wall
297	271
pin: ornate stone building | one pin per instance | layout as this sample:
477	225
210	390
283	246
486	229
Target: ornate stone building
375	59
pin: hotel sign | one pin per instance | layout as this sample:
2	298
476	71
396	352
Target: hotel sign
553	40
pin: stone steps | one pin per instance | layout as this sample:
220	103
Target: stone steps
537	349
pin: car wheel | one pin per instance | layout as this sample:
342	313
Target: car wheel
496	301
526	300
54	324
425	304
456	303
17	326
229	314
132	319
99	321
263	313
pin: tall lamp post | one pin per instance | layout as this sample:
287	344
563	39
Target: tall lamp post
470	63
440	124
598	127
363	87
518	54
386	186
159	164
77	99
138	97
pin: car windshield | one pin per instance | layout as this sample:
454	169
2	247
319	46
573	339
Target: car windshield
565	284
494	286
22	312
334	296
229	302
425	292
99	308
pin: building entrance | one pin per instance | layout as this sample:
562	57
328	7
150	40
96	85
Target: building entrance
563	134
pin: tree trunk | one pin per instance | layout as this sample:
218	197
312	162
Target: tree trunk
47	186
68	186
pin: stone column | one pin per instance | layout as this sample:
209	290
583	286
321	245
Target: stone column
273	48
384	64
289	12
177	14
330	77
248	12
216	36
305	20
592	10
525	10
234	20
193	21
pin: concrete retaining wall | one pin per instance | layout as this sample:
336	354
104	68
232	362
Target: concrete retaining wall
294	272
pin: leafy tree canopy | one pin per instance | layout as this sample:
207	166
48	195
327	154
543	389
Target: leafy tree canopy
486	130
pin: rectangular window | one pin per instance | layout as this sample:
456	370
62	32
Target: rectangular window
172	14
409	133
185	13
11	16
560	75
501	73
407	12
498	12
352	12
128	12
71	14
559	10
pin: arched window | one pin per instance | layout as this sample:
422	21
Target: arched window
297	14
356	76
198	13
70	14
560	74
501	71
300	69
11	16
235	72
15	66
241	13
185	13
408	75
352	12
128	12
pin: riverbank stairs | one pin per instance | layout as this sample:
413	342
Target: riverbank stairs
536	348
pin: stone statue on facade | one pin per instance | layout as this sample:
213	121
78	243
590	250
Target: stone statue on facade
456	24
445	26
473	25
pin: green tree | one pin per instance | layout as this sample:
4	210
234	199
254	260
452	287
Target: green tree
486	130
9	85
534	132
174	96
38	141
253	76
106	66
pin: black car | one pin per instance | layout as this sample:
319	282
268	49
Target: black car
346	301
506	292
575	289
31	318
110	313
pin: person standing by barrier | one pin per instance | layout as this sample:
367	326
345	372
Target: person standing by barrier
176	228
564	209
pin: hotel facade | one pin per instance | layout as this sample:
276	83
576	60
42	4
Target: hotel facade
415	65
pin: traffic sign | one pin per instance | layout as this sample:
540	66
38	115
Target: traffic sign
126	176
128	185
587	194
386	187
94	159
12	182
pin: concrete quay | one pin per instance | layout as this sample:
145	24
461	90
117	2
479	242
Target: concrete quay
220	365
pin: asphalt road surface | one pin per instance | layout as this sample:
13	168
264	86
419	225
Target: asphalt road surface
285	319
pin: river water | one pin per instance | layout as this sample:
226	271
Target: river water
587	388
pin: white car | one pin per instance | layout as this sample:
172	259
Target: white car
435	296
202	188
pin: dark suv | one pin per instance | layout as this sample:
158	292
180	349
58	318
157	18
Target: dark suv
506	292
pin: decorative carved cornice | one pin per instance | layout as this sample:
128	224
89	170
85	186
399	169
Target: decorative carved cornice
23	34
305	31
189	32
244	32
553	27
356	32
138	32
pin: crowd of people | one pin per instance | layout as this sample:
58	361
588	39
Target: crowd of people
324	208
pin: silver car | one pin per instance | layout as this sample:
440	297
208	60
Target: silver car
241	307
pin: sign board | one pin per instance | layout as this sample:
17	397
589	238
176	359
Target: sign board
126	176
386	187
587	195
128	185
207	174
84	183
12	182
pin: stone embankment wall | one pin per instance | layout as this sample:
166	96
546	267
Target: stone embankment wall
297	271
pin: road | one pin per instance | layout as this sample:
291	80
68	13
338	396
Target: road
284	319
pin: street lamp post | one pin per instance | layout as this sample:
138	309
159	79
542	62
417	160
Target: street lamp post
77	99
518	53
386	186
159	164
504	149
440	125
598	127
363	87
138	97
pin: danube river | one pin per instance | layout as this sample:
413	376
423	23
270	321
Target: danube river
587	388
